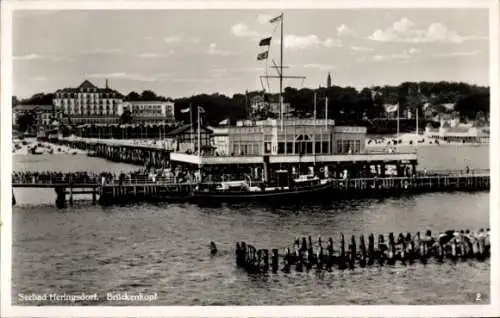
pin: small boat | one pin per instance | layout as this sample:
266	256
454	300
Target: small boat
299	189
34	151
92	153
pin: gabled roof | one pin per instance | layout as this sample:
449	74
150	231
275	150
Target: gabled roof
87	84
185	128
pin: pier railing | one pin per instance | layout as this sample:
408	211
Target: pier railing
464	172
35	178
115	180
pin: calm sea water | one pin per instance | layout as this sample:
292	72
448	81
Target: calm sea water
163	248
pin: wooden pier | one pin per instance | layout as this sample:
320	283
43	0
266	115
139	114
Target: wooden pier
147	190
128	193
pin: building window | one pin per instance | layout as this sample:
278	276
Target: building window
309	146
348	146
324	147
317	147
267	147
289	147
281	147
339	146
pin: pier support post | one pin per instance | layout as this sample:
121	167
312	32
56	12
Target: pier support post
274	261
61	197
70	195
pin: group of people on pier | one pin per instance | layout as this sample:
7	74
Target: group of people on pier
140	176
305	255
55	177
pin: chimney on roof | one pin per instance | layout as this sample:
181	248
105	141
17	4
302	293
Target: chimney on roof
107	86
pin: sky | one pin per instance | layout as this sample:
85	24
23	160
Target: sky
180	53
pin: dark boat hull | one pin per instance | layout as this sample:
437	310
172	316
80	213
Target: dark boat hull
278	196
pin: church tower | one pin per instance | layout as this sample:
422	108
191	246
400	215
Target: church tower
328	81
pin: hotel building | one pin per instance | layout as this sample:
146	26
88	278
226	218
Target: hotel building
149	112
43	115
88	104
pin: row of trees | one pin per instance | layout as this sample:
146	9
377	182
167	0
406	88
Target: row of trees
349	104
345	103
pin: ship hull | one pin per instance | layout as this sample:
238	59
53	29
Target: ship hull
276	196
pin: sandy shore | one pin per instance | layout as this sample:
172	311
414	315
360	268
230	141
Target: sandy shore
23	147
407	140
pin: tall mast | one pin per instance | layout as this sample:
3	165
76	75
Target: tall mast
281	71
279	68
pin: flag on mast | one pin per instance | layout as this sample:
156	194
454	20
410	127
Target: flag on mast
391	108
265	42
262	56
276	19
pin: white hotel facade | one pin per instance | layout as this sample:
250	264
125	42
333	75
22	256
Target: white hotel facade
149	112
89	104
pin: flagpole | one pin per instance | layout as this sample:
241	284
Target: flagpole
398	120
191	122
314	134
416	109
326	112
281	71
199	134
247	108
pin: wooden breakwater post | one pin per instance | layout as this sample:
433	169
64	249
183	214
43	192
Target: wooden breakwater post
275	261
454	247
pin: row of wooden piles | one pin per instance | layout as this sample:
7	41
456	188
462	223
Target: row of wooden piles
407	249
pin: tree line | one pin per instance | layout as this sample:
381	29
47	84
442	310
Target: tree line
344	103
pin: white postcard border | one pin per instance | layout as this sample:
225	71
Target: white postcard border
232	311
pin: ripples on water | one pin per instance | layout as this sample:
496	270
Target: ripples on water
164	248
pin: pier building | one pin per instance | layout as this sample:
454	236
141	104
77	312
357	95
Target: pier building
261	149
